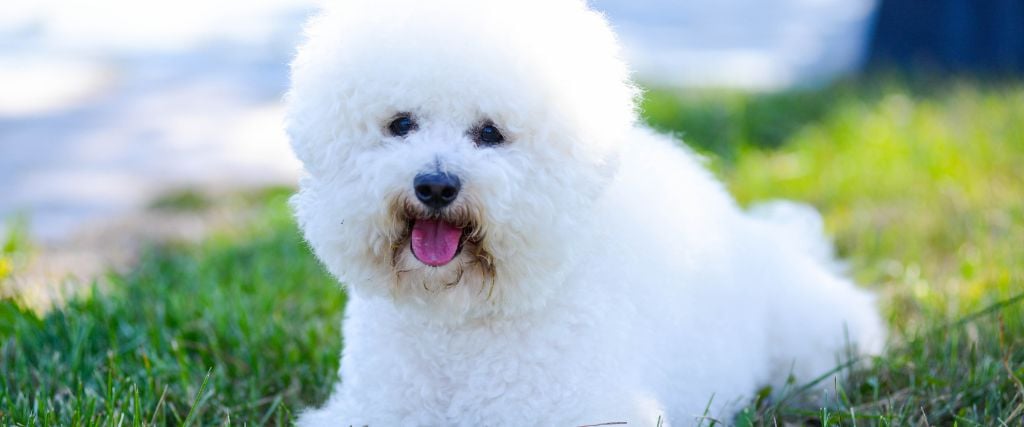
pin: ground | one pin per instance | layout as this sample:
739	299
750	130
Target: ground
920	183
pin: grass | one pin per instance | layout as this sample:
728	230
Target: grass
241	329
921	185
14	244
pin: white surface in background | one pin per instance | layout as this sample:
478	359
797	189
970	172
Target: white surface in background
33	85
103	26
103	103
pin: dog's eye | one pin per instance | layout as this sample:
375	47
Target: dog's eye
488	135
402	125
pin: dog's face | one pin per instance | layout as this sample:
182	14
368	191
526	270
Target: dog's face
454	148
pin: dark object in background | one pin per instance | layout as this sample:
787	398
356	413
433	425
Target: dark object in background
950	35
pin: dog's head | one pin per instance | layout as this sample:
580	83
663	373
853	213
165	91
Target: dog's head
454	148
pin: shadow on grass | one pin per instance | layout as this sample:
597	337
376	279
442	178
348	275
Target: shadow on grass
723	122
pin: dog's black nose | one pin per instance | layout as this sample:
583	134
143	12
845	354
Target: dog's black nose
437	189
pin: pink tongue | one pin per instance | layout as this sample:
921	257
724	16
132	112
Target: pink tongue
434	242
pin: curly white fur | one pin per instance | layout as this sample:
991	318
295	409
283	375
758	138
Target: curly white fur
608	277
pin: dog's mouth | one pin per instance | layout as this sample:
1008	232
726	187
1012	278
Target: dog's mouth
435	241
436	237
440	245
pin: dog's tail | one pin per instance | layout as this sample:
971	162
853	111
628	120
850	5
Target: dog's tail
801	226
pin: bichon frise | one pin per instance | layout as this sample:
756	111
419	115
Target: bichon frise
518	250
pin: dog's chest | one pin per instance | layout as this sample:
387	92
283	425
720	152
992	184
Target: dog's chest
498	368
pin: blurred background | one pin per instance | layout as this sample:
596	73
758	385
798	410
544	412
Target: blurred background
105	104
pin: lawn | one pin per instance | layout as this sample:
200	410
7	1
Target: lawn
922	186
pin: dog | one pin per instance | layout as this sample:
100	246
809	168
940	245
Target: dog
518	250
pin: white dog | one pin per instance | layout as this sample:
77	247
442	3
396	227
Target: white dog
517	249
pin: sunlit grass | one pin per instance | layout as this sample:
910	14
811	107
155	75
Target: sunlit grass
923	193
14	247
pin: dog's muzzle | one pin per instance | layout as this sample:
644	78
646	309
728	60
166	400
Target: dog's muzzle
435	238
